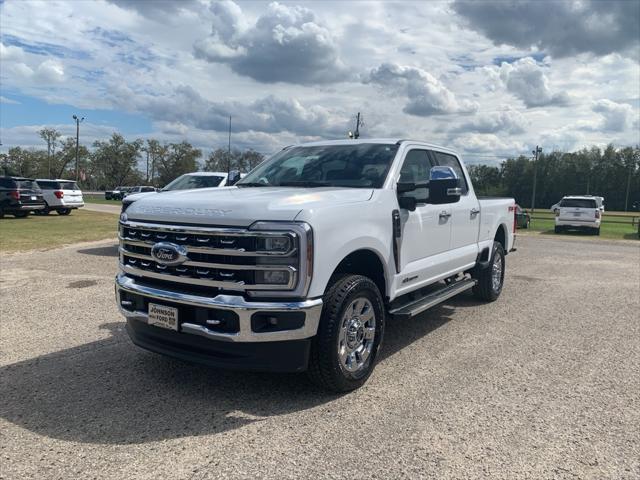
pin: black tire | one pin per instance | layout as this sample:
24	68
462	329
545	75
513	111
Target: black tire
597	231
325	366
557	229
63	211
1	212
484	289
44	211
21	214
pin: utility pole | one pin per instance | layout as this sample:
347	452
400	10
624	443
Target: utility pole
78	121
535	152
229	149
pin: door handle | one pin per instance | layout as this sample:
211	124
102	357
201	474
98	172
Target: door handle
444	214
474	212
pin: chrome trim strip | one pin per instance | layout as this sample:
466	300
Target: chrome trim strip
236	286
220	266
238	232
234	303
213	251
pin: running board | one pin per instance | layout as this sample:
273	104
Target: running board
416	307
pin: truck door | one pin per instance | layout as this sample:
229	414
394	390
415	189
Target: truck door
425	233
465	215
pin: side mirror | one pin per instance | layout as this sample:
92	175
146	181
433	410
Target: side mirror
233	177
444	185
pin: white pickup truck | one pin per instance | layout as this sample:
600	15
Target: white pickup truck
298	266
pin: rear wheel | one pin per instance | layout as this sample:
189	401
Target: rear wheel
557	229
345	350
597	231
491	279
21	214
64	211
1	212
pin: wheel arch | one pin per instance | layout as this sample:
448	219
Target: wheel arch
367	262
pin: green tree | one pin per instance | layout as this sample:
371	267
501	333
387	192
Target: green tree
115	160
181	158
50	136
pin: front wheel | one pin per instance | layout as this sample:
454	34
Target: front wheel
345	350
491	279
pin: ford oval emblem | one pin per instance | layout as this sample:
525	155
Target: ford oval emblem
169	254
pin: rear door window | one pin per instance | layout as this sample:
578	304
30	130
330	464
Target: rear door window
6	183
447	160
578	203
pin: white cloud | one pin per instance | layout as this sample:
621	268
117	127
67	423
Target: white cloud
286	44
426	95
507	120
527	81
616	117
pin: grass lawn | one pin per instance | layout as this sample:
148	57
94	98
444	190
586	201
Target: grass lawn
607	230
53	230
100	199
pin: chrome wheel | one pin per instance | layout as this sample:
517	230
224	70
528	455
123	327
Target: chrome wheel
357	335
496	272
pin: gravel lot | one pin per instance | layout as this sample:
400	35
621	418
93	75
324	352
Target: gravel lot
543	383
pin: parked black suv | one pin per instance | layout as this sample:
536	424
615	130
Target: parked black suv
19	196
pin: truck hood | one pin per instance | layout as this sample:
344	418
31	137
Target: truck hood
137	196
233	206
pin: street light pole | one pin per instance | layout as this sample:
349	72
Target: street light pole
78	121
535	152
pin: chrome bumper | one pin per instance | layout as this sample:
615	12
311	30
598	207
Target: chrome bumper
235	303
32	207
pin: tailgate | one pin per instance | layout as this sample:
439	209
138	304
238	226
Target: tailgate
577	213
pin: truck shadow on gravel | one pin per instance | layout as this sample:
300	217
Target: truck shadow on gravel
111	392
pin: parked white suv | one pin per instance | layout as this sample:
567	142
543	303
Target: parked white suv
579	212
298	266
60	195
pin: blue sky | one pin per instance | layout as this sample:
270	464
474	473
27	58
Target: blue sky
475	77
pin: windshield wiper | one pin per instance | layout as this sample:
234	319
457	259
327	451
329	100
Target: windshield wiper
304	183
253	184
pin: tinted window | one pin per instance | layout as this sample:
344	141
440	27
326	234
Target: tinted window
416	168
27	185
69	186
359	166
6	183
48	185
447	160
186	182
578	203
148	189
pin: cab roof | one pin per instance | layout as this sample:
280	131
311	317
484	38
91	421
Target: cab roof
387	141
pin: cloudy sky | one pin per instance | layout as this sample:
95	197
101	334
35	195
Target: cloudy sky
493	79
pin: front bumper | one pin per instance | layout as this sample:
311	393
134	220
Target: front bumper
240	347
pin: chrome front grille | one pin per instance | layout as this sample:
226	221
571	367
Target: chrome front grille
221	258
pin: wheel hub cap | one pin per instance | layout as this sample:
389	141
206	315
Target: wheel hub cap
357	334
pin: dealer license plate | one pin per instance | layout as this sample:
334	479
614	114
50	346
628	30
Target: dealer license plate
163	316
34	198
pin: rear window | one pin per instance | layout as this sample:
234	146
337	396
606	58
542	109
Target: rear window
69	186
48	185
578	203
27	185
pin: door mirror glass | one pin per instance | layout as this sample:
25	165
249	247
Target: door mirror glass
444	185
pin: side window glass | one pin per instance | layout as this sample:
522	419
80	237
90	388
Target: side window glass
447	160
416	168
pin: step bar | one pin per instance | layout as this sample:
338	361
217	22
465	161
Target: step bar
415	307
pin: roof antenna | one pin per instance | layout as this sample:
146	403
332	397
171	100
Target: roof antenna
359	123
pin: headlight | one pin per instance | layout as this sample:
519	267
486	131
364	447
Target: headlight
287	258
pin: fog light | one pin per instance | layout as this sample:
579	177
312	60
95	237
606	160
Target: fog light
272	277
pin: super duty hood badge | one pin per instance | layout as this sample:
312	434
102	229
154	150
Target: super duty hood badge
192	211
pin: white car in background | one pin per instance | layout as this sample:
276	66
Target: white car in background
579	212
189	181
60	195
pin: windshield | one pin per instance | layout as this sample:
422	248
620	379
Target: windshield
186	182
359	166
578	203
